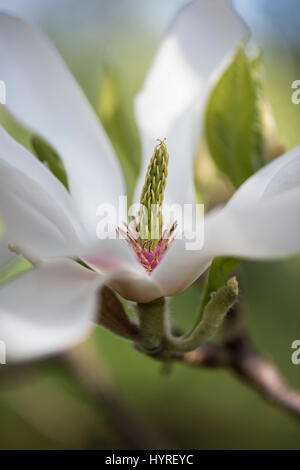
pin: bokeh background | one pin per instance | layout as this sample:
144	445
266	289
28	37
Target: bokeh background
109	45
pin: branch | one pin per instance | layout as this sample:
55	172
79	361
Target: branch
237	354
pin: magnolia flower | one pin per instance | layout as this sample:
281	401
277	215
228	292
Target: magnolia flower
52	306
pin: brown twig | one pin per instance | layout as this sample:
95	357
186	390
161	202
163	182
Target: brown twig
237	354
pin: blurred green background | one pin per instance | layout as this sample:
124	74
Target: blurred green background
109	45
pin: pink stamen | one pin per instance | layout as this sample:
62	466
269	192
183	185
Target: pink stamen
151	259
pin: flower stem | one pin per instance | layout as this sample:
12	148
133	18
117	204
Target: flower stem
152	317
216	309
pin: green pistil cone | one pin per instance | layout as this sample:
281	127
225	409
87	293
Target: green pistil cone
150	221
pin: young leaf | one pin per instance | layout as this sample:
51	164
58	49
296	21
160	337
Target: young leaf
47	155
214	313
232	121
219	271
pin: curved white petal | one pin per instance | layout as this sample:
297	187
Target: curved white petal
262	221
280	175
177	85
117	260
269	229
38	212
136	286
41	222
263	217
48	309
187	258
43	95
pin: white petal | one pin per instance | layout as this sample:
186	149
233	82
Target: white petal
136	286
262	221
42	222
51	308
267	230
280	175
181	266
43	95
48	309
174	94
116	259
38	212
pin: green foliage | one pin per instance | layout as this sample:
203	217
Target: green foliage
47	155
232	121
219	271
260	152
15	268
215	310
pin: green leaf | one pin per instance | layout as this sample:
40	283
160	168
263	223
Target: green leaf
260	153
220	270
13	269
231	121
47	155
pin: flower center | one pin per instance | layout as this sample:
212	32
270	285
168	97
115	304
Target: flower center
146	234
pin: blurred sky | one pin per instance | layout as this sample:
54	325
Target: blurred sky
268	17
96	35
74	14
272	20
74	23
96	26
